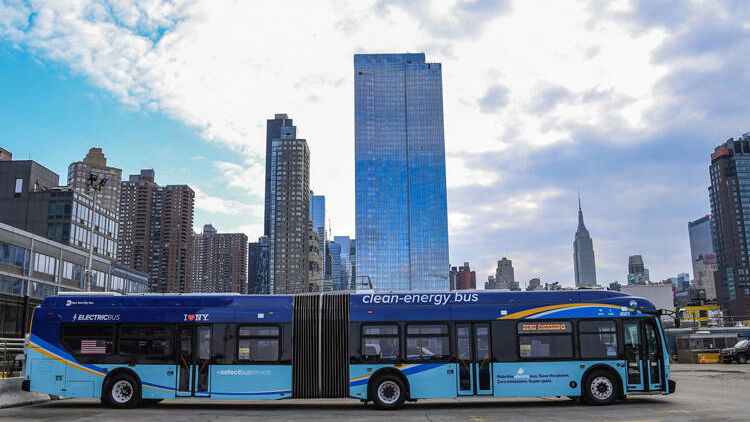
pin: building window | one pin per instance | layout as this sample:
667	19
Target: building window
19	187
45	264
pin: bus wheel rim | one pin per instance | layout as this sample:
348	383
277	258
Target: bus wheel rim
122	391
601	388
389	392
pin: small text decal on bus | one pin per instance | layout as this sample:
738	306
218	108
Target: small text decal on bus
96	317
421	298
196	317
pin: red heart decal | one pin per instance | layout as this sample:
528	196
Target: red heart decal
191	317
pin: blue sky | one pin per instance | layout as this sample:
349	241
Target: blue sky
53	116
620	100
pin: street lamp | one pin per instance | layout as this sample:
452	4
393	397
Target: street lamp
96	184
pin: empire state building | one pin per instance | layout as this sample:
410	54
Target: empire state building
583	254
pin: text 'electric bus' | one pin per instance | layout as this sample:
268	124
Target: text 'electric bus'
381	347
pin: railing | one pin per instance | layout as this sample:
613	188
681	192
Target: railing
11	356
726	321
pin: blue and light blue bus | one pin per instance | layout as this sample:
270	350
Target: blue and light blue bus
385	348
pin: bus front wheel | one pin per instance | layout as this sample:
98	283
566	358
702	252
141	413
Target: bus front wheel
600	388
121	391
388	392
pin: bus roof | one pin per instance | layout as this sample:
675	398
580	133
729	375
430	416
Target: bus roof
489	305
372	306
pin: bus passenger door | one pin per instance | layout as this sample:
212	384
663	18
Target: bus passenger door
465	372
193	361
654	361
474	359
633	354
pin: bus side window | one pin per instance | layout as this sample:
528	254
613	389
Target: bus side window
380	343
427	342
258	343
598	339
90	341
147	343
545	339
504	346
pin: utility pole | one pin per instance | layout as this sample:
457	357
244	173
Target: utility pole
95	184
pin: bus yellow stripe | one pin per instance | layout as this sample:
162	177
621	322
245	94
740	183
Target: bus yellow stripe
400	366
74	365
533	311
61	360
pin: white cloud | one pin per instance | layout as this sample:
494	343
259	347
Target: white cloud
216	205
250	177
224	67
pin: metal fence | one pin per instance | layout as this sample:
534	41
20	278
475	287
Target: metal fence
11	356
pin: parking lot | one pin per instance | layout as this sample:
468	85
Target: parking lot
704	392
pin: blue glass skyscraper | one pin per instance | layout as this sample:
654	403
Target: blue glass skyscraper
401	207
318	218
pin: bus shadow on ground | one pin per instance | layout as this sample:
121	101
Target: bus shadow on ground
296	405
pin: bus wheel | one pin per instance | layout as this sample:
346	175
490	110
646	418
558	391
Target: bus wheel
600	388
121	391
388	392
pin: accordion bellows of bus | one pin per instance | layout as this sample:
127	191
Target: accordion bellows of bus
380	347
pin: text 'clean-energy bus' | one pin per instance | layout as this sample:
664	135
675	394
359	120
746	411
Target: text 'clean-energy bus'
381	347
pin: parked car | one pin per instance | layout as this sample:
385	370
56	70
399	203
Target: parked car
740	352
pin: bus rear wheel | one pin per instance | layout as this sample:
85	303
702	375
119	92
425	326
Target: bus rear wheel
600	388
121	391
388	392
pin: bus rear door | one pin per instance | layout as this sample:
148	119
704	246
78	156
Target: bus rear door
474	359
193	361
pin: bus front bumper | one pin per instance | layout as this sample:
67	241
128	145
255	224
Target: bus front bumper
672	386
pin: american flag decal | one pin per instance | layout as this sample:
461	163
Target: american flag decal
93	347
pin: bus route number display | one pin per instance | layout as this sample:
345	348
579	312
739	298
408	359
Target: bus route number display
544	327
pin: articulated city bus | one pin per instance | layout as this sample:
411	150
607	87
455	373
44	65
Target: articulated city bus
386	348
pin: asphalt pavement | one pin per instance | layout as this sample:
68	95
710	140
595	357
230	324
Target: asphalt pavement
704	393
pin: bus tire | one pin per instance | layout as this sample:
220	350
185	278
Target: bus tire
388	392
121	391
600	388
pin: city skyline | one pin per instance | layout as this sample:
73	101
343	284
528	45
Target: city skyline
509	185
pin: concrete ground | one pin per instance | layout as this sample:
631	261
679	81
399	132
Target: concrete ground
704	393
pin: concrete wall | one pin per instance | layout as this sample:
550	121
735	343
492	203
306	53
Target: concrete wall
661	295
11	394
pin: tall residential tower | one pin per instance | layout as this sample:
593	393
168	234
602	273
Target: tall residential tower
288	212
702	254
729	194
156	232
96	163
401	208
219	261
